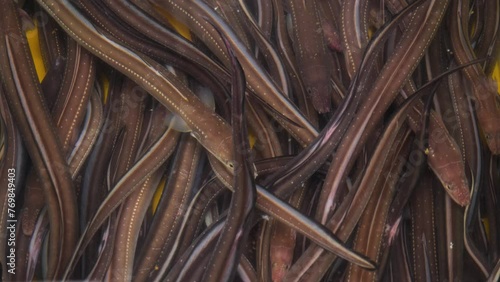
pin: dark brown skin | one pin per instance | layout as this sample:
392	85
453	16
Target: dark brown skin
267	139
369	238
284	46
448	165
34	122
257	79
51	83
354	36
283	240
265	17
124	155
230	245
174	201
71	103
88	137
93	186
142	169
187	266
335	163
311	54
264	45
13	159
52	39
132	213
67	113
195	61
396	71
231	12
485	92
488	44
131	64
180	99
346	218
423	234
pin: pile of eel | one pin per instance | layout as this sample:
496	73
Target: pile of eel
250	140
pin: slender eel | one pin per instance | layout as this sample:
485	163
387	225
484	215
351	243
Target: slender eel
282	242
132	116
268	143
12	163
372	223
129	226
246	272
52	38
423	234
454	240
197	254
448	165
487	45
76	88
129	26
308	160
206	196
232	14
20	81
174	201
154	78
473	153
345	218
196	15
141	170
185	104
485	93
273	60
354	33
155	30
52	80
85	143
265	17
268	203
93	188
103	260
285	50
193	223
311	54
67	115
227	253
394	74
124	152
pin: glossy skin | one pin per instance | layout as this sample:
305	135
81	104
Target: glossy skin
230	246
183	103
179	99
142	169
395	72
485	92
124	148
347	216
33	119
76	88
257	79
354	35
371	233
13	159
173	202
67	114
311	54
448	165
128	15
